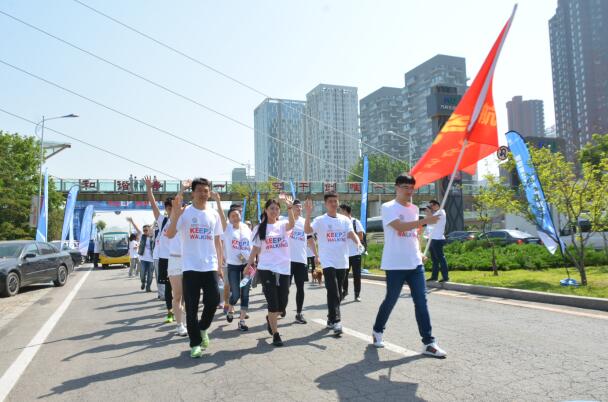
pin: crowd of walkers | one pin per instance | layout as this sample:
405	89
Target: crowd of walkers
196	248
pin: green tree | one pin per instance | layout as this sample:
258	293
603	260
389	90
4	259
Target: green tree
494	197
249	191
578	195
382	169
19	167
596	150
100	225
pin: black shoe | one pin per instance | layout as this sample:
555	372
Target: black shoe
268	326
283	314
148	290
276	340
432	280
143	286
300	318
242	326
229	317
444	280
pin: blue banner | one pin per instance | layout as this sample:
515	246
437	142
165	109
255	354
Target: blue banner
244	209
259	207
293	189
41	230
364	190
86	229
68	217
534	192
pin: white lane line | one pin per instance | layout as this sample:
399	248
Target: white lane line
491	299
367	338
14	372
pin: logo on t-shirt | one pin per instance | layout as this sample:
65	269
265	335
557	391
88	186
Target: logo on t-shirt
409	233
275	242
334	237
200	232
297	235
240	245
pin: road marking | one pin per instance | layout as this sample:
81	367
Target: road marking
367	338
14	372
491	299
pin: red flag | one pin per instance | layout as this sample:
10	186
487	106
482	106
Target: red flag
474	119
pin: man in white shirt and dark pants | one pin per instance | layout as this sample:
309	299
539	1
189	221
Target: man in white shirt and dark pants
354	254
402	263
437	239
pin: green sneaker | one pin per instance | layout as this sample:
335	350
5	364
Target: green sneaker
196	352
169	319
205	342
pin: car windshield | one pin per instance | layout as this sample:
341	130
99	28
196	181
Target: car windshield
10	250
115	241
518	234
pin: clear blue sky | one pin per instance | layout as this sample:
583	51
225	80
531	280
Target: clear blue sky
283	48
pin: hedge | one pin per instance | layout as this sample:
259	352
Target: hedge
477	255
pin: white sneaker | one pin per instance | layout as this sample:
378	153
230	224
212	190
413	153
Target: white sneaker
181	330
377	339
338	328
432	349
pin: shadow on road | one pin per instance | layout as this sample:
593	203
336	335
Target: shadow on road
352	381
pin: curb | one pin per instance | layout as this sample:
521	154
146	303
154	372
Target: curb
591	303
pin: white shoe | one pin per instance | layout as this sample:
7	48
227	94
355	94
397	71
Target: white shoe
377	339
181	330
338	328
432	349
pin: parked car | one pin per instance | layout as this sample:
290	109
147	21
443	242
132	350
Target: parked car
74	252
24	262
461	235
508	236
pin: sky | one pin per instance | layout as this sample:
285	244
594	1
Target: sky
280	48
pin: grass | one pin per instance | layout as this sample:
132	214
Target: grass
546	280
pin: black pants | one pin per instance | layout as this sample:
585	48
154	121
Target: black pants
311	263
300	274
95	260
276	290
354	262
193	282
334	278
163	278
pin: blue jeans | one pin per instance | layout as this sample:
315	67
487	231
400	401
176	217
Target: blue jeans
438	259
146	273
235	275
417	284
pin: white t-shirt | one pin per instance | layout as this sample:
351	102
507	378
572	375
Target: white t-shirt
437	230
237	242
156	248
96	246
297	242
352	246
309	252
197	230
175	246
148	251
332	237
133	247
401	249
163	240
274	249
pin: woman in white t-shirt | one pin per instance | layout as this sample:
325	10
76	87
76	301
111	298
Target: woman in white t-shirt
133	249
237	246
271	245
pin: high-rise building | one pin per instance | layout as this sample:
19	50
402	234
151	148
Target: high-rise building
440	70
381	121
239	175
526	117
279	140
578	33
332	132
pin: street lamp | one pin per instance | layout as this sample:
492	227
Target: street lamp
41	124
409	144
